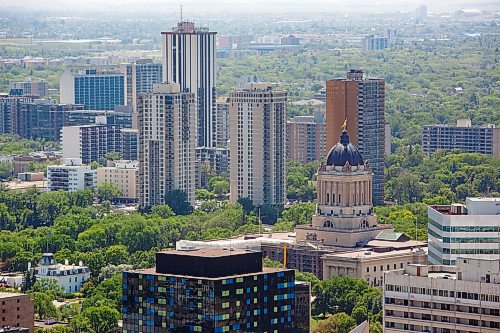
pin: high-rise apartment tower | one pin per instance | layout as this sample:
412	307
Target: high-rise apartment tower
189	60
257	148
167	142
97	88
140	76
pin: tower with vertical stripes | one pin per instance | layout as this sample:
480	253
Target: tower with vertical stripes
189	60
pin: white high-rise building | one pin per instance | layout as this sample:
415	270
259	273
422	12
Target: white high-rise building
189	60
258	143
70	176
471	230
167	143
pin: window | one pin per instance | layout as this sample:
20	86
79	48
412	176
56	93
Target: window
328	224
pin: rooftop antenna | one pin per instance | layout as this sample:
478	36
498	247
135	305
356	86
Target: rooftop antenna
181	13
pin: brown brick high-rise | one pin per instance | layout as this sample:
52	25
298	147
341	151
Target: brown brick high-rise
362	102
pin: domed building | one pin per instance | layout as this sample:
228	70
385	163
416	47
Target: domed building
344	212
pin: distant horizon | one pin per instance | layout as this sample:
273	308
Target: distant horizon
204	7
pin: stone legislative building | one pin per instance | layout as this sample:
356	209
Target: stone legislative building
344	213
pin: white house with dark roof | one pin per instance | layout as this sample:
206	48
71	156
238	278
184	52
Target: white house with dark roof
70	277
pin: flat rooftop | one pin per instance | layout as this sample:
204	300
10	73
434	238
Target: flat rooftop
481	199
379	243
367	254
473	206
208	262
23	185
448	209
207	252
442	275
8	295
252	240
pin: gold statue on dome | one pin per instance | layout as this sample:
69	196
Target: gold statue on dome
344	125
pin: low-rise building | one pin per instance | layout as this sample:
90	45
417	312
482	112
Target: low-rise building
310	256
471	230
462	298
12	280
24	163
24	186
290	40
374	43
14	330
69	277
16	310
370	265
29	87
31	176
122	174
302	306
70	176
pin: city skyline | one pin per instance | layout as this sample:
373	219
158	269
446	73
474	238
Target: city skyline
138	193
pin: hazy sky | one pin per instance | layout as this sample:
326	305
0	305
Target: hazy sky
242	6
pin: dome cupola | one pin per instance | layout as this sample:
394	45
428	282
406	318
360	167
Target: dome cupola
344	152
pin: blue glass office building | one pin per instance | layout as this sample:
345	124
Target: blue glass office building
99	91
193	291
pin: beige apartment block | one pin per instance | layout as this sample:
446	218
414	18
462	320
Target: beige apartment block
307	137
167	143
444	299
123	174
257	148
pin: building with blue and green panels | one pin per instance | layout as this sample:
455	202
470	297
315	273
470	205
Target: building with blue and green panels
208	290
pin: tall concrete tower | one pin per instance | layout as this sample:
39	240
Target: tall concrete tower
189	60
